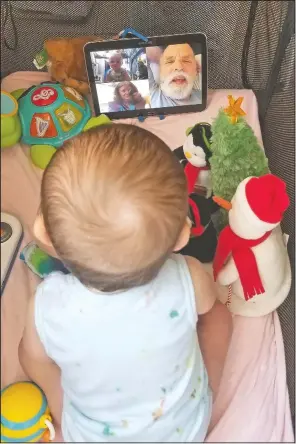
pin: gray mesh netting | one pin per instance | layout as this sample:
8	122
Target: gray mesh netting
270	71
251	45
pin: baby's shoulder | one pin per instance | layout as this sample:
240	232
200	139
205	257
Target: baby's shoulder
57	288
56	310
58	279
175	270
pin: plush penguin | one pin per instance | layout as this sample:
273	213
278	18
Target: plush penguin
202	245
194	155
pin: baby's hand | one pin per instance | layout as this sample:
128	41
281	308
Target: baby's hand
137	96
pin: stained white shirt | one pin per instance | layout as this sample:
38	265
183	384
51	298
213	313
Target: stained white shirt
132	369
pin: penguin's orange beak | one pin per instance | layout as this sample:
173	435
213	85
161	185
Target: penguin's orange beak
222	203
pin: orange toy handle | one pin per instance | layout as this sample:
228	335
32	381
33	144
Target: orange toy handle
49	433
46	436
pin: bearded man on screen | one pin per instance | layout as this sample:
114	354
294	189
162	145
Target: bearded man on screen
173	76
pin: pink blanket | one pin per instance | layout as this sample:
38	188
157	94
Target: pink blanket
253	404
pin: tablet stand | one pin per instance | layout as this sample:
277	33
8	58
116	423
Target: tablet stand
124	34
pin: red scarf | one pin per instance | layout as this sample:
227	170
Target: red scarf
198	229
192	174
240	249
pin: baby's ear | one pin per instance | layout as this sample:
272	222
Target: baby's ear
42	237
184	236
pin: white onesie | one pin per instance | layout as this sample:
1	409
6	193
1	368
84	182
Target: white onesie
132	369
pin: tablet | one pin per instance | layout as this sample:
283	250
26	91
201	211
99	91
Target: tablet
132	78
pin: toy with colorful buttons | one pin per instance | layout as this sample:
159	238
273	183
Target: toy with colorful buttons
50	114
24	414
10	121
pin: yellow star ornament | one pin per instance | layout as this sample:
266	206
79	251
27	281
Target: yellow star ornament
234	109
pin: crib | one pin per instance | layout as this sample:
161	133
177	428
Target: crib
251	45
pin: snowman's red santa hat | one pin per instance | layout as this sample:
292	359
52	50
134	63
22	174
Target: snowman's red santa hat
258	206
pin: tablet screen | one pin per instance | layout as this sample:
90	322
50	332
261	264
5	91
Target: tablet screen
154	77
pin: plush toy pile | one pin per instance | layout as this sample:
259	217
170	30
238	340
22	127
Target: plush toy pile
250	257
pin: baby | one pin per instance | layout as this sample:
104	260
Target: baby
114	344
116	73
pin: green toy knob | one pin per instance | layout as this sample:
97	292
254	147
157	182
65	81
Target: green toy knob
41	155
97	121
10	123
17	93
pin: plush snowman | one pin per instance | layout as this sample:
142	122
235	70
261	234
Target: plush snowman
251	256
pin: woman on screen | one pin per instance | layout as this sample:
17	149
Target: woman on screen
126	98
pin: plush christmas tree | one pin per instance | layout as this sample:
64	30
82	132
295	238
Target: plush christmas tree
236	153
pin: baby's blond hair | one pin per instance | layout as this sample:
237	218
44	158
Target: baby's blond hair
116	54
114	201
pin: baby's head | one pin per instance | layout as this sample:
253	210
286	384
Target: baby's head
114	206
115	62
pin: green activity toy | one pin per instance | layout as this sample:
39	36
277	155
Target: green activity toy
44	117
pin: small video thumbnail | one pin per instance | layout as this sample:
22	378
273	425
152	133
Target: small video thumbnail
123	96
119	66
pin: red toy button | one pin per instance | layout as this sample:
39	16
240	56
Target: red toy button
44	96
42	125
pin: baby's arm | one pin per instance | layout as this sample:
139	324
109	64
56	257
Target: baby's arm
39	367
228	274
214	325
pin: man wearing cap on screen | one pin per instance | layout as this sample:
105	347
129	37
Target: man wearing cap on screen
178	76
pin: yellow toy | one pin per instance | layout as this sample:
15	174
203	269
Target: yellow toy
24	414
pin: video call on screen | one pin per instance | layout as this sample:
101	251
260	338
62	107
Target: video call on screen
155	77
